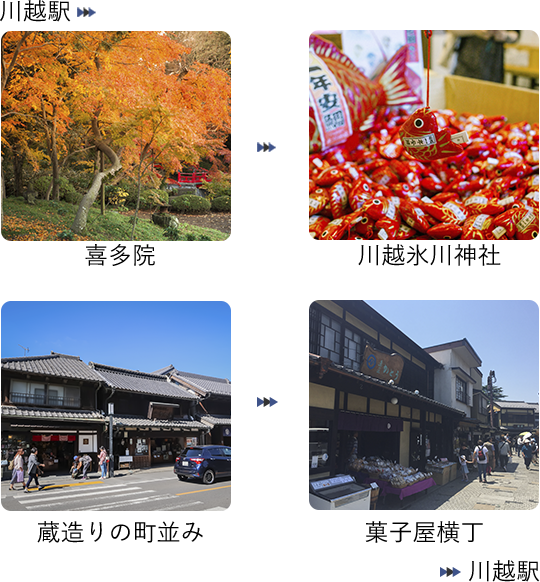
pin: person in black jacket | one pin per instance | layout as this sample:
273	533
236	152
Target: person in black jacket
480	53
33	470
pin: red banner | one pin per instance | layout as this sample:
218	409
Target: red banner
48	438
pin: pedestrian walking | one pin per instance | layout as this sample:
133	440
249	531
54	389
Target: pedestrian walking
33	470
534	445
480	455
492	461
504	453
17	464
527	452
102	458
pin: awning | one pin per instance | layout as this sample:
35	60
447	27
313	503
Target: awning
367	423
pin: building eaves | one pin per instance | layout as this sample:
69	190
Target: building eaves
372	380
53	414
463	343
127	421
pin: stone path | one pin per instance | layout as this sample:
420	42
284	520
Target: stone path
515	489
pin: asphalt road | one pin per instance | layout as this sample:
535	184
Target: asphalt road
150	490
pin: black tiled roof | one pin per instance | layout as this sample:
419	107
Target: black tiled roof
141	382
54	365
54	414
142	422
215	420
206	384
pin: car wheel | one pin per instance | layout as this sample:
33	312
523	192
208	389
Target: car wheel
181	477
208	477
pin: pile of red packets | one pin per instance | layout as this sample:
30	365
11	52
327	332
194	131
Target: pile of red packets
369	188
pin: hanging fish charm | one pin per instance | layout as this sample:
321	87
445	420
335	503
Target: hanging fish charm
424	141
342	100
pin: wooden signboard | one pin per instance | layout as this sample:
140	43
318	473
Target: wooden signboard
382	365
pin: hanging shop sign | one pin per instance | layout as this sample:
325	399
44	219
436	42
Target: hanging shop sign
382	365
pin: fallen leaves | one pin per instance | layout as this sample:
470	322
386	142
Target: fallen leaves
17	228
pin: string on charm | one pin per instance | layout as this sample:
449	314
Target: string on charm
427	34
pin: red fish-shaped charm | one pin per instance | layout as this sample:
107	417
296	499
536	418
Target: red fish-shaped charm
424	141
342	98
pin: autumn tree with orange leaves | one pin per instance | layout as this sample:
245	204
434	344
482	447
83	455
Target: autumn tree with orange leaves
112	92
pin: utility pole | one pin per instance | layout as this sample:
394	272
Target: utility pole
491	379
111	456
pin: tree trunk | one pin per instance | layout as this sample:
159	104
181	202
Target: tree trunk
18	165
2	191
79	224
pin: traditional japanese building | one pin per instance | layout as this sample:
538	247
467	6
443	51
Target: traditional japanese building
368	377
153	418
51	402
64	407
213	407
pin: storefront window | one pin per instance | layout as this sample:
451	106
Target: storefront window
352	350
37	394
330	339
10	444
318	439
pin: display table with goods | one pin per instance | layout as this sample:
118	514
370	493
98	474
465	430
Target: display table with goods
443	471
392	478
463	176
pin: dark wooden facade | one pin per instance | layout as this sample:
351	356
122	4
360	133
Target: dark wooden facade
398	421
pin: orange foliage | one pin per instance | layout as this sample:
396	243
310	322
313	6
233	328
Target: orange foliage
63	80
21	229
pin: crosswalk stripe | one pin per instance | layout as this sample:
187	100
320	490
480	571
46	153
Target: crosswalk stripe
121	503
42	503
70	492
114	494
177	507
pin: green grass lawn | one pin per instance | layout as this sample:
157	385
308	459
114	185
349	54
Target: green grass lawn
47	220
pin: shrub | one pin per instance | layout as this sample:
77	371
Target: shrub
221	204
116	196
219	186
189	204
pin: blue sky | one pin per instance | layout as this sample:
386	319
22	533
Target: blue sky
504	334
193	336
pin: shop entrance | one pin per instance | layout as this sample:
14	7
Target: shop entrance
165	450
56	456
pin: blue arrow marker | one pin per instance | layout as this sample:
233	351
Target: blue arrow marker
91	12
446	572
264	402
271	147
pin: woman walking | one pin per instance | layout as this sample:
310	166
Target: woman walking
33	468
18	469
102	459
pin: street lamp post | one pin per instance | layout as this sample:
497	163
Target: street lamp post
111	457
491	379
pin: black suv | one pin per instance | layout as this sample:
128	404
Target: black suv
206	462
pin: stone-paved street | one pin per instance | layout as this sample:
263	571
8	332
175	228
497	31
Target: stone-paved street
515	489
